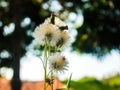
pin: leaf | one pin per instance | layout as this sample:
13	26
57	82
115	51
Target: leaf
69	80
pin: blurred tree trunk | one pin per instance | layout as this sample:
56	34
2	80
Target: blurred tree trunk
18	35
16	83
17	54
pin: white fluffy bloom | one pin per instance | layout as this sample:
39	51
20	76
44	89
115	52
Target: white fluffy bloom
57	62
47	32
63	39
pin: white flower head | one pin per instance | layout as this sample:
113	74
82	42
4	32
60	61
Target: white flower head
63	39
58	62
47	32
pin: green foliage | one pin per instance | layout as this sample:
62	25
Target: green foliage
113	81
99	33
91	83
87	79
89	86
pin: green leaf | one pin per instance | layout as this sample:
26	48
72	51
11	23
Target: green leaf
69	80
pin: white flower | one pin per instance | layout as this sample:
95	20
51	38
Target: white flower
57	62
47	32
63	39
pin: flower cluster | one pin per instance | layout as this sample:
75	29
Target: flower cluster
53	35
52	31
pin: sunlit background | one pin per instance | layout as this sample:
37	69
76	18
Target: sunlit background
79	65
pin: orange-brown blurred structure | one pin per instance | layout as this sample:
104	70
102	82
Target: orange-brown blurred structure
27	85
4	84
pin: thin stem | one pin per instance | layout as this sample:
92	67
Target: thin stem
49	50
45	79
49	72
42	62
45	64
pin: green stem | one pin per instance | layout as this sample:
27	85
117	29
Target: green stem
51	71
45	65
49	50
45	79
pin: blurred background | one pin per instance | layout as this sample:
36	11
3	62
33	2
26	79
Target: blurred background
94	53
